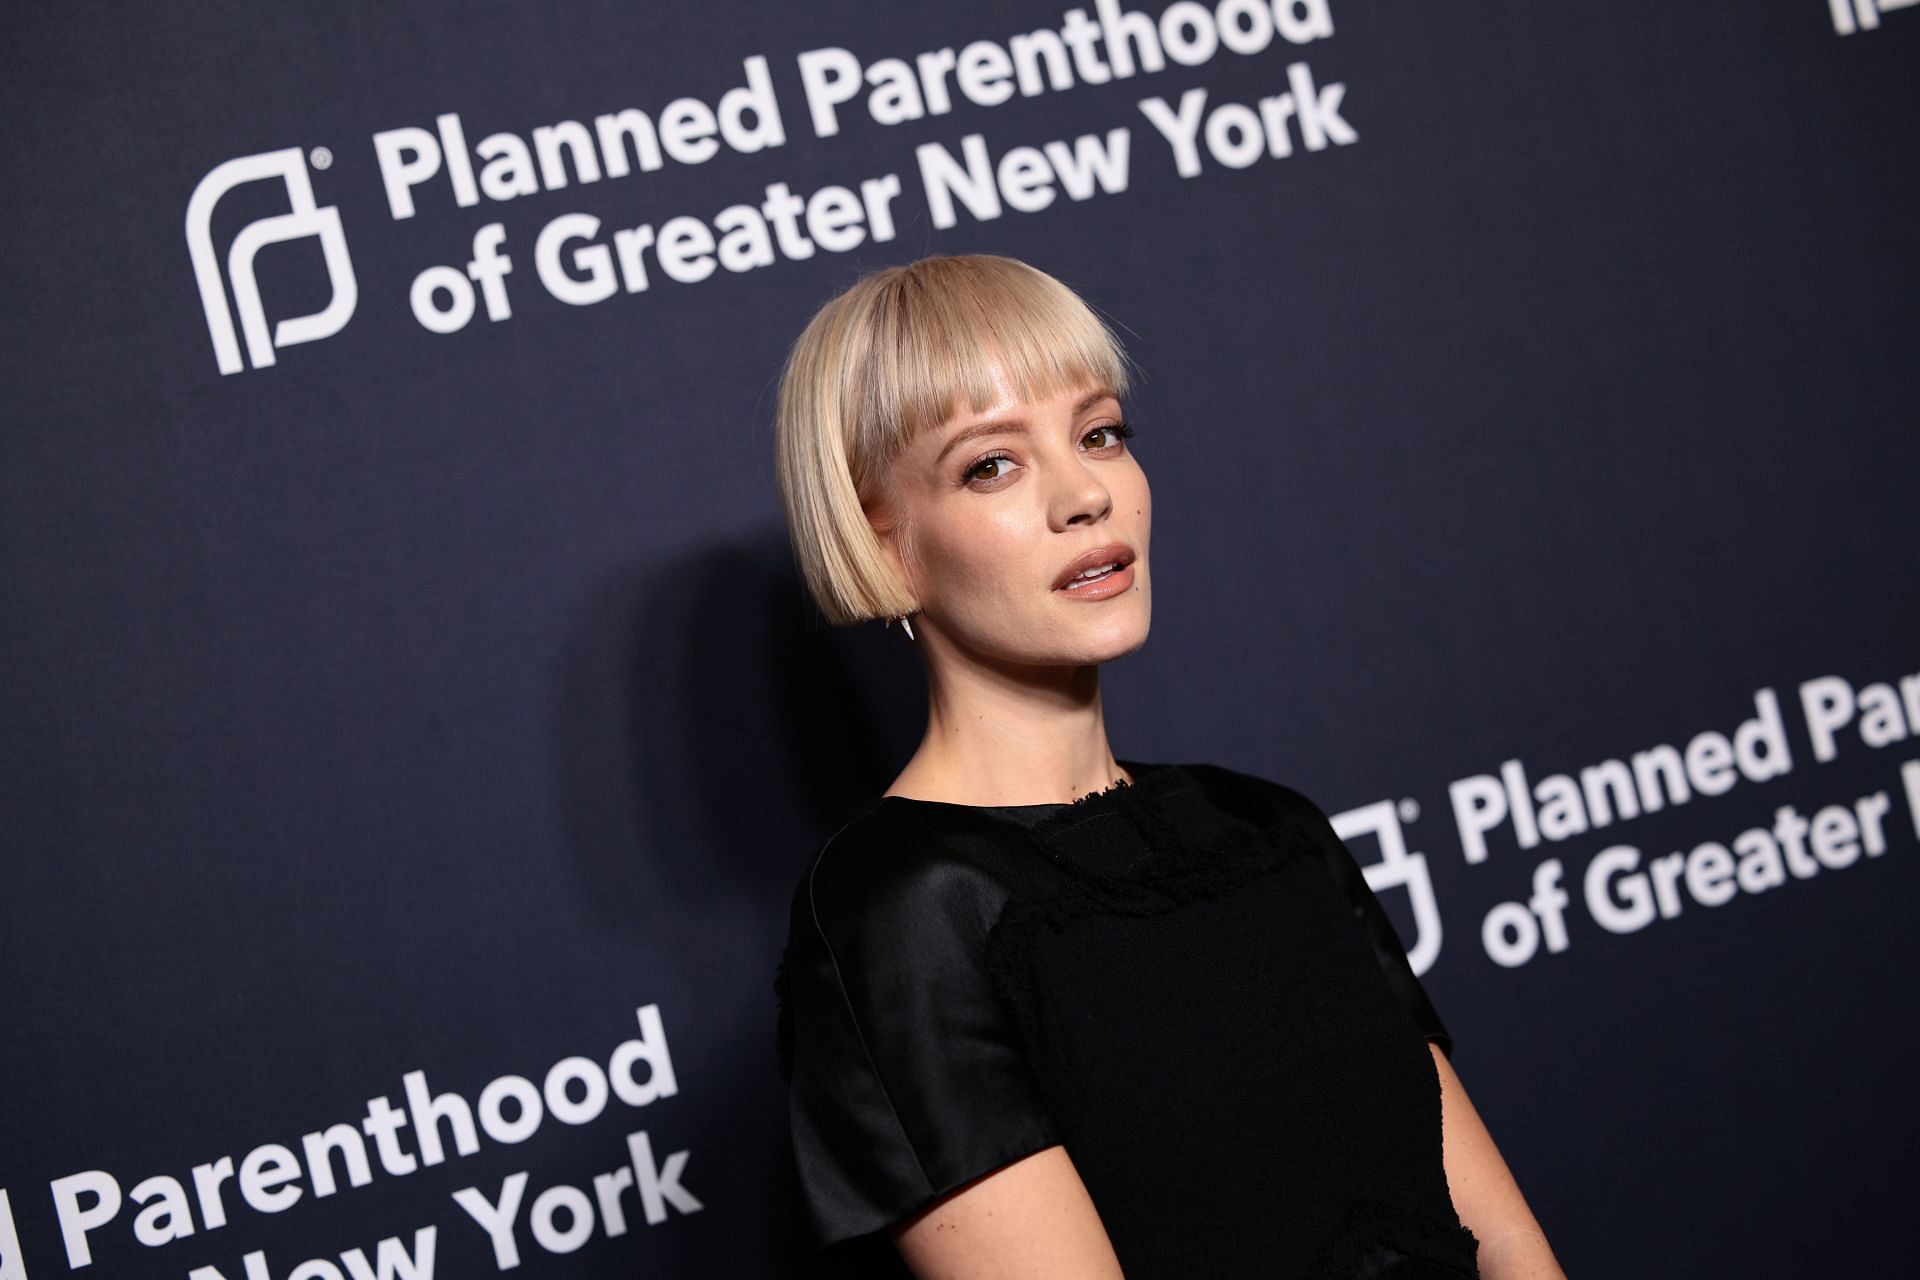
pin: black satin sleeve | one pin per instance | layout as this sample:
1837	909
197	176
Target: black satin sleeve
907	1076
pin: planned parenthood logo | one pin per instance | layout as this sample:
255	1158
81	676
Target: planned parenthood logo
1397	868
304	219
1850	16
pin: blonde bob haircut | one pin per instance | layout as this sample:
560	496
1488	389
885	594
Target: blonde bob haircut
898	352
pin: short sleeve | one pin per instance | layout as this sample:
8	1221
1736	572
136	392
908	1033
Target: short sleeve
907	1075
1374	923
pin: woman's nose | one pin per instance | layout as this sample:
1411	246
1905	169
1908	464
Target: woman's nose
1082	497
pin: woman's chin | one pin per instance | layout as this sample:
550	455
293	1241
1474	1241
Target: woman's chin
1114	638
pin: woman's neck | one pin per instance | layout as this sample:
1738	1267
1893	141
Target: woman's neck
1001	737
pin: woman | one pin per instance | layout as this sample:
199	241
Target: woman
1047	1012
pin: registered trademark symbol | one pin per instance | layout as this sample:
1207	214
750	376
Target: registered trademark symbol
320	158
1409	810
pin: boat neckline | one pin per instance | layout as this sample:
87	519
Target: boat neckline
1143	773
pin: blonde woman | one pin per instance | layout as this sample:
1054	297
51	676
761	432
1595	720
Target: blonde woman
1047	1012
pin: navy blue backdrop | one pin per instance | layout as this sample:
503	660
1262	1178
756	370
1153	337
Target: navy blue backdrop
414	725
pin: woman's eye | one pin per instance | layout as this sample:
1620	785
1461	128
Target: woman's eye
973	472
1119	430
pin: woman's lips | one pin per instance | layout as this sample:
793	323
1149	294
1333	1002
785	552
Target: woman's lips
1114	553
1107	584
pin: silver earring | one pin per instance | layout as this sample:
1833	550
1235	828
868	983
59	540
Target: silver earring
904	624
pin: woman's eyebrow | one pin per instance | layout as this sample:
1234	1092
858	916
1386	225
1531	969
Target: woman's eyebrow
1011	426
1016	426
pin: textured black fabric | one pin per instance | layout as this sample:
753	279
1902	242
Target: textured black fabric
1186	981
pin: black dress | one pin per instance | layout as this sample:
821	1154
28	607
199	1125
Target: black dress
1185	980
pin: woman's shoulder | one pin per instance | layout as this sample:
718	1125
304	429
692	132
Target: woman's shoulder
1252	796
899	866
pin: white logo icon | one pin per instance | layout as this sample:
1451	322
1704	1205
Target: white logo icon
306	219
1396	869
1850	16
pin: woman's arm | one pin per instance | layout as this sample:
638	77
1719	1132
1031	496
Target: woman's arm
1030	1218
1512	1246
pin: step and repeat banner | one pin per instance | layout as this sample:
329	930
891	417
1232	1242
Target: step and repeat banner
414	726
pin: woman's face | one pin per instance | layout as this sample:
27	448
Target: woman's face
991	510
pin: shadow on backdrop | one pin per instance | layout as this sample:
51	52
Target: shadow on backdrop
710	730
